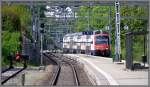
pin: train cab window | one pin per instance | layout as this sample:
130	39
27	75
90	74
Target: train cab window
97	32
101	40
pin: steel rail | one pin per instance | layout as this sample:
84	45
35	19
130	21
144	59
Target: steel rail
54	80
3	71
73	69
75	75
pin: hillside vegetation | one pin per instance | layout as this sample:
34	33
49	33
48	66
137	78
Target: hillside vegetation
15	20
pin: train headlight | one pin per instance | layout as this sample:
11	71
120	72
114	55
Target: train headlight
106	48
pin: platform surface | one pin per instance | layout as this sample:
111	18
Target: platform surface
115	73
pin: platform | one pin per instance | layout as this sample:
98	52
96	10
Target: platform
106	72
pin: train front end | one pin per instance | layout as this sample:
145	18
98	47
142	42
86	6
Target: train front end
102	47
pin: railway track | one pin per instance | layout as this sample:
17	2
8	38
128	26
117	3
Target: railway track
65	74
4	79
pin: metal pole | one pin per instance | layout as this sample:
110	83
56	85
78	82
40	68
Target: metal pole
74	19
110	29
148	35
117	40
41	49
65	21
89	18
23	79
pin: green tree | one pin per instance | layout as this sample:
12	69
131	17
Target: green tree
15	20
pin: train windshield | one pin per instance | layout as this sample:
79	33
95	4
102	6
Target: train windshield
101	40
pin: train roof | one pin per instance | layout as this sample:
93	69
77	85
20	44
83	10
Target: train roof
74	34
87	33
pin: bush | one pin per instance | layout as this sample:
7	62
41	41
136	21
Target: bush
10	44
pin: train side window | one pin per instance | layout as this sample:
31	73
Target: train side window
79	37
88	36
64	38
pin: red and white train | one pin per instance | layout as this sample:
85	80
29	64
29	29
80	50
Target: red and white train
88	42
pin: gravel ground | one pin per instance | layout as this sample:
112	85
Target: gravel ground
38	77
83	78
66	77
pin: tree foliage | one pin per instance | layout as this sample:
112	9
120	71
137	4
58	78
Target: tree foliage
15	20
96	17
23	12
